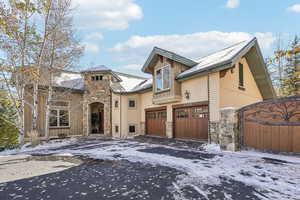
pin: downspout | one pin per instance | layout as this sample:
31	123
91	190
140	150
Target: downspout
208	96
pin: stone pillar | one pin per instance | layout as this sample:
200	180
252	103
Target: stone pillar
229	132
169	129
142	128
214	131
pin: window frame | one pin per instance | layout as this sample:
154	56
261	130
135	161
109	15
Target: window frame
131	125
58	109
116	104
130	107
241	76
162	76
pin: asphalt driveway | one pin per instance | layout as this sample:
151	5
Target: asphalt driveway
147	168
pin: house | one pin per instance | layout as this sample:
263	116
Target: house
181	100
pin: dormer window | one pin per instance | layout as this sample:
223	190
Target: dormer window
162	78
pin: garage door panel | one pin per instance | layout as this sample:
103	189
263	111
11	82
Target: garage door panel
191	122
156	123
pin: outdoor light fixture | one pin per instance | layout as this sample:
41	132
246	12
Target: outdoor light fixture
187	94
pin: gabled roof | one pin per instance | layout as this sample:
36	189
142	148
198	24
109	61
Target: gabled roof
152	59
99	68
222	58
226	59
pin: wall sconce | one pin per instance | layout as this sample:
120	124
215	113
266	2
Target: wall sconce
187	94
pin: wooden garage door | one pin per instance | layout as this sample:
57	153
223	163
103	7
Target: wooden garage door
191	122
156	122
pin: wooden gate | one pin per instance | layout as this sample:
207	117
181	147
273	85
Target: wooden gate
272	125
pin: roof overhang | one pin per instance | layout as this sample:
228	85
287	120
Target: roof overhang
153	58
256	63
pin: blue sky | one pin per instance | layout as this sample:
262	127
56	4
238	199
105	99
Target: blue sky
121	33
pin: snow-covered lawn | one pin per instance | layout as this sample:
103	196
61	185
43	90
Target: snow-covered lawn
205	174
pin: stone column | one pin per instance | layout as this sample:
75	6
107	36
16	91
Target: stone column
142	128
229	132
169	129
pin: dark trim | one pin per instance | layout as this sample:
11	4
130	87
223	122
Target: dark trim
156	109
273	123
204	72
162	91
271	101
167	54
194	104
60	127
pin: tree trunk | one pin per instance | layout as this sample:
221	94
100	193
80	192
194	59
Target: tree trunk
49	99
35	107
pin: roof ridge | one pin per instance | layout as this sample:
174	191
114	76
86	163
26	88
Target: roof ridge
250	40
131	75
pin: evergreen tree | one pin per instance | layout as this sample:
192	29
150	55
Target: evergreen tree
8	131
291	83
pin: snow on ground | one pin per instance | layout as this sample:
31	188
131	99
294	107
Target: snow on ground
273	176
43	146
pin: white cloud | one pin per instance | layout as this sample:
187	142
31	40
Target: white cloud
94	36
196	45
294	8
233	3
106	14
91	48
132	66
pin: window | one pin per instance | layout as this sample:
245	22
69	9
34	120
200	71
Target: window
163	78
132	129
241	75
97	78
116	129
59	114
131	103
182	113
116	103
59	118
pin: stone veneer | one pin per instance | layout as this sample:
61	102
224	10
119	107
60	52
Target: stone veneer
169	129
97	91
229	132
143	128
214	131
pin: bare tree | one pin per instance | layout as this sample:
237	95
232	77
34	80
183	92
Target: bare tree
34	34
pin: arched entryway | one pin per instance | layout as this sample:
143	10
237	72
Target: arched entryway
96	118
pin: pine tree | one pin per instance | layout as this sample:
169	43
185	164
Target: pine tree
8	131
291	81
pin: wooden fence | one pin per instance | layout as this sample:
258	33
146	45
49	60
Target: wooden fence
272	125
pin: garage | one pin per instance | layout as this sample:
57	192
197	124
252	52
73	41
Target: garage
191	121
156	121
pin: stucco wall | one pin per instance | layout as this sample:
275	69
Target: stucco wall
231	95
125	116
197	88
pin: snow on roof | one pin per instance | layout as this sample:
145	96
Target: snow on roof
147	84
69	80
97	68
129	82
220	57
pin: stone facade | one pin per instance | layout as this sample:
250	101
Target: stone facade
142	128
169	129
214	131
229	132
97	92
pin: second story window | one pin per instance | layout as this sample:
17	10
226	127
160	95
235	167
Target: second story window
97	78
241	75
162	78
